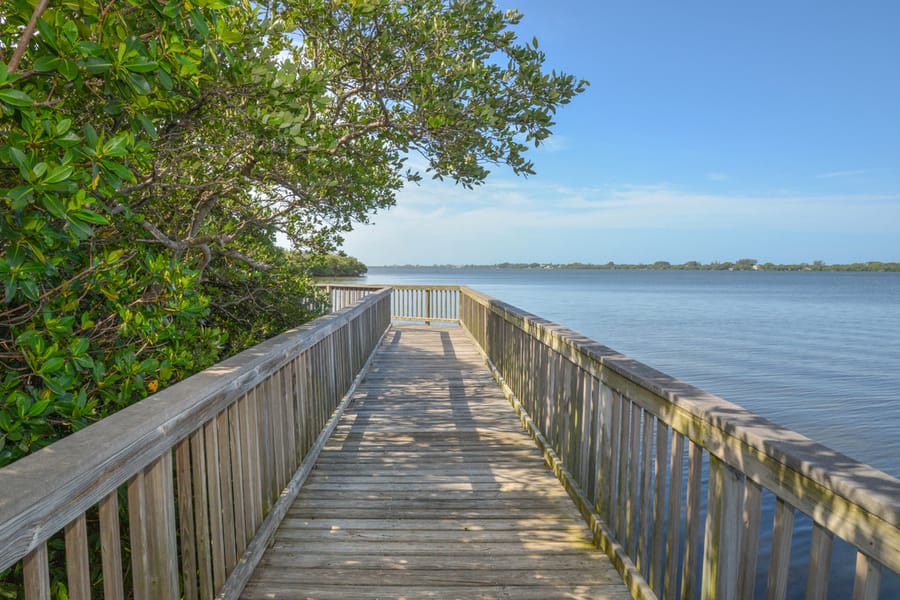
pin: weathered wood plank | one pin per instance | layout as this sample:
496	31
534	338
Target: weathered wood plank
380	592
188	538
819	562
437	489
782	533
36	572
673	540
111	547
78	572
868	578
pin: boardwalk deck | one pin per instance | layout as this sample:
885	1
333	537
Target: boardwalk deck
430	489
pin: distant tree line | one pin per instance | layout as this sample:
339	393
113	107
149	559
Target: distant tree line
334	265
743	264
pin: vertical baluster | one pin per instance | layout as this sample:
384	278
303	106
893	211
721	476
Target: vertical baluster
186	519
611	490
595	450
110	546
819	563
78	572
214	494
36	572
586	434
723	530
633	480
624	469
201	513
605	456
254	468
151	510
235	426
692	525
276	407
673	546
137	526
750	539
226	504
782	531
868	578
645	528
659	507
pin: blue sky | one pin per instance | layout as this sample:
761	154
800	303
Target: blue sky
712	131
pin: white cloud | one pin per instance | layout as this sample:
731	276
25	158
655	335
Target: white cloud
527	220
839	174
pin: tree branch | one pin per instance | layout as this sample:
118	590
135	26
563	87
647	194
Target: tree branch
26	36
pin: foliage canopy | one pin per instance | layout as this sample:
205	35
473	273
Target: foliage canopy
151	151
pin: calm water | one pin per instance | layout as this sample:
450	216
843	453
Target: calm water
815	352
818	353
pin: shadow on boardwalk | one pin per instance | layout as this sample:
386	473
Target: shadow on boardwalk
430	489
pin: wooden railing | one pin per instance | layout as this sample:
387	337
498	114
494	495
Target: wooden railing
340	296
673	479
206	469
427	303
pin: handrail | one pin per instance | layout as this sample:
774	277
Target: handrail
220	445
428	303
618	432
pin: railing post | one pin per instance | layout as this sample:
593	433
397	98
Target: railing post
427	306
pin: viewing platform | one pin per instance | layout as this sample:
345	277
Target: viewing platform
433	442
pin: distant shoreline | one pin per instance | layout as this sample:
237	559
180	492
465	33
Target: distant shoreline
740	265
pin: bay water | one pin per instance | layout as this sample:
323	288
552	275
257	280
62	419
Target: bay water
817	352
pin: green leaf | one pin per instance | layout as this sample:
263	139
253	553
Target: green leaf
68	140
231	37
21	197
199	23
44	64
70	31
19	159
62	126
142	65
58	174
37	409
89	216
53	205
138	83
116	146
148	125
10	289
30	289
120	171
15	98
48	33
68	69
97	65
90	135
80	230
165	79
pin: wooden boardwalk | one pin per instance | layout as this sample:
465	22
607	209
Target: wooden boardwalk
429	488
